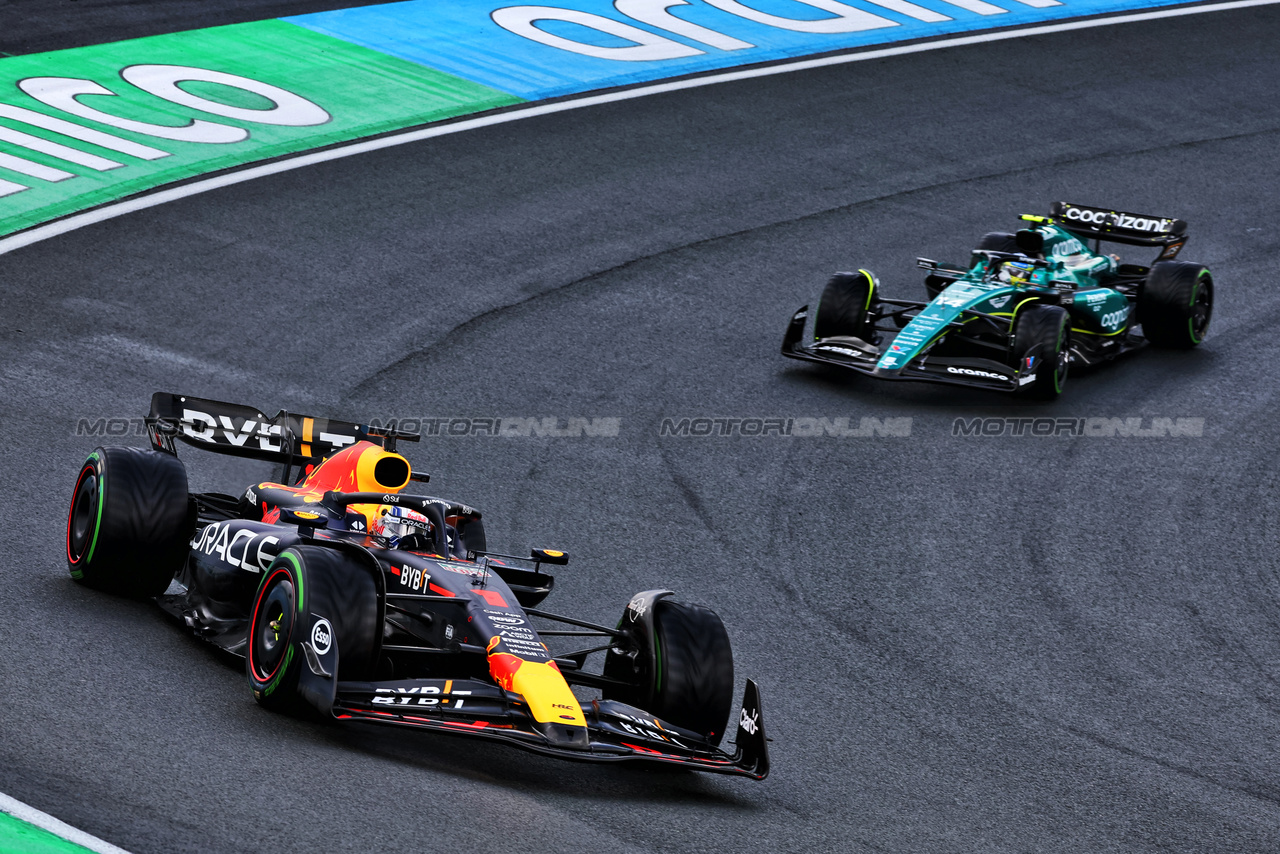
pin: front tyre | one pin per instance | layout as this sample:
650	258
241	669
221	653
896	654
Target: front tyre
682	671
694	679
315	597
1175	304
131	521
845	306
1042	349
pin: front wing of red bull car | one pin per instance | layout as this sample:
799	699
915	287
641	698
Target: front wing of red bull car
350	597
1028	306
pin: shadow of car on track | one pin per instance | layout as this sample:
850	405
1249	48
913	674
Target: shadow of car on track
515	769
1149	371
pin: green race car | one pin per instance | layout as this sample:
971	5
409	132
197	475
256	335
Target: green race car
1028	306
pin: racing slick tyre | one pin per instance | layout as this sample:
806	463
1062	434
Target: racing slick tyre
844	309
1042	342
688	679
317	596
131	521
1175	304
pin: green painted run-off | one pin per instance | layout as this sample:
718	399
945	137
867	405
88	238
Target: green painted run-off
18	837
364	93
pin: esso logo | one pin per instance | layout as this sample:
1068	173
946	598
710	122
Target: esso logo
322	636
508	621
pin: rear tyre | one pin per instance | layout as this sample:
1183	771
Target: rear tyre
1175	304
1042	348
684	674
303	587
845	306
131	521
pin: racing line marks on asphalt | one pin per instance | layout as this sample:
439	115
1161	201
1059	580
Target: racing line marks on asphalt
61	829
110	211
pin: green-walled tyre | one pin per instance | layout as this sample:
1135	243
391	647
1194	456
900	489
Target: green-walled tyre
683	674
1176	304
131	521
1042	348
315	595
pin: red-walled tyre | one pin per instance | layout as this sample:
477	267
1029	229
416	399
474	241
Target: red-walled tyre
317	596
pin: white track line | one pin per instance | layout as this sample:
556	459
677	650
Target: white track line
33	816
112	210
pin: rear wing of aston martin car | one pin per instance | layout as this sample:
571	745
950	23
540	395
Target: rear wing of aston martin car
243	431
1119	227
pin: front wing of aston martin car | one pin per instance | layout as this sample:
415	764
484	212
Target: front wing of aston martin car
903	338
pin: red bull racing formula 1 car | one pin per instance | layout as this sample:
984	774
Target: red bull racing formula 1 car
347	595
1028	306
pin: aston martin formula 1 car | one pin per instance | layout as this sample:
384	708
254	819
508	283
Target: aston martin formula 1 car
347	595
1027	307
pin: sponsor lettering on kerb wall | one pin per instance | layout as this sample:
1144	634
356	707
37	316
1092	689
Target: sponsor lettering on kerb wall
90	125
541	51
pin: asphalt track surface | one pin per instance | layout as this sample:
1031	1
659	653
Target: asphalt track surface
1001	644
34	26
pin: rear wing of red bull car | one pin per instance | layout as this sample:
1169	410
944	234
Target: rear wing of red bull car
244	431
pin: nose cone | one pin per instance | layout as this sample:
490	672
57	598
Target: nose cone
564	735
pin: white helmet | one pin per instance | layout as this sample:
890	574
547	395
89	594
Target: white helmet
405	529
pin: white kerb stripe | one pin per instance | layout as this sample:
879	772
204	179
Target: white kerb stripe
33	816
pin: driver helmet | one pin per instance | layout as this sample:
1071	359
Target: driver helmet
404	528
1016	272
